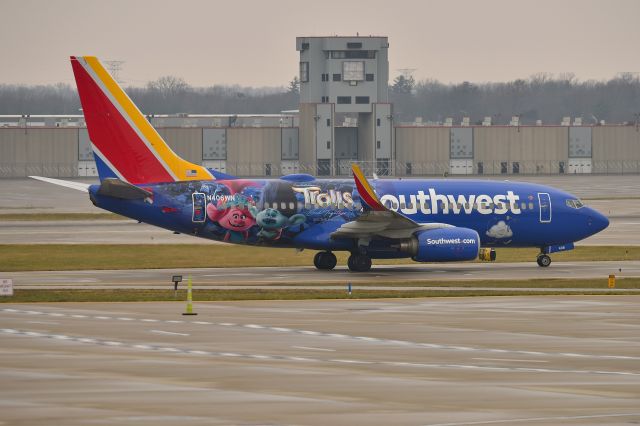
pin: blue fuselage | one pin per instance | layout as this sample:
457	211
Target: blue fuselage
303	214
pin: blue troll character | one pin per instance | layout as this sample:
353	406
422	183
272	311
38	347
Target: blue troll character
272	222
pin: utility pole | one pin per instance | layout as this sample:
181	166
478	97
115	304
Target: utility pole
114	68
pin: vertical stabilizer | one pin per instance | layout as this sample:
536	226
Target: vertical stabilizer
125	144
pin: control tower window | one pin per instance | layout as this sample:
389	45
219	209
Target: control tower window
344	99
304	72
337	77
353	54
369	77
353	70
362	99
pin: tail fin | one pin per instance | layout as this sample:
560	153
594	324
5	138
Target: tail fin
125	144
367	194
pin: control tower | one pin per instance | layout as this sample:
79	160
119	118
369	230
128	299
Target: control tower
344	110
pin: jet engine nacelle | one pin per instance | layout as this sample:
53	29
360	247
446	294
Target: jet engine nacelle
446	245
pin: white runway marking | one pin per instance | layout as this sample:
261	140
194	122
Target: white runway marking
169	333
535	419
309	348
509	360
20	333
341	336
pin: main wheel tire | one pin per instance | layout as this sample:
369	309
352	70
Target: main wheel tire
325	260
359	262
543	260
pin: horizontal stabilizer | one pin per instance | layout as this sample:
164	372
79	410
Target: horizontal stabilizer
78	186
119	189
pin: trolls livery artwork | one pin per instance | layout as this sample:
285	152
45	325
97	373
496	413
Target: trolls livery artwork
427	220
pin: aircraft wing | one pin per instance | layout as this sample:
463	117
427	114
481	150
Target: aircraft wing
377	220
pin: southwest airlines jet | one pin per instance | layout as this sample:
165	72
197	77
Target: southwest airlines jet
426	220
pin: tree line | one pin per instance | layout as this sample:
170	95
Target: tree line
540	97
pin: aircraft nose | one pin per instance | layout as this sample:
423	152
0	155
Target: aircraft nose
597	221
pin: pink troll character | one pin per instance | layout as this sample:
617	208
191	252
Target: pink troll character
232	213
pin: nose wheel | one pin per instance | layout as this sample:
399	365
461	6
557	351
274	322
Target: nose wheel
325	260
359	262
543	260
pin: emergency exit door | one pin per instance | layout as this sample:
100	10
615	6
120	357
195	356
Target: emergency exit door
544	201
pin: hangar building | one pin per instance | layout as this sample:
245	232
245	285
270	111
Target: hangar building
344	116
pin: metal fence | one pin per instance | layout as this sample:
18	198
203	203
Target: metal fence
342	168
61	170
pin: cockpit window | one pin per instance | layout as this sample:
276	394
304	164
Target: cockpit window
574	204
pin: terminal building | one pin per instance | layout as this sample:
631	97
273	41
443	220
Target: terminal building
344	116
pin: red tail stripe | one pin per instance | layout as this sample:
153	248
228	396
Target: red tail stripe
371	202
113	136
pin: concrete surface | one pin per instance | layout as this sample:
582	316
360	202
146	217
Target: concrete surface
30	196
298	276
621	231
464	361
90	232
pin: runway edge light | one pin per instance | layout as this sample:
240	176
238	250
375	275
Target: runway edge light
189	299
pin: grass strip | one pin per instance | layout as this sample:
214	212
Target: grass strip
39	217
65	257
134	295
559	283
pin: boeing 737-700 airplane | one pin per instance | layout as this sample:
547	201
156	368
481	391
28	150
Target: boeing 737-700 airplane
424	219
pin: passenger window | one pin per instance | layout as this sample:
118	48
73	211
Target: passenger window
530	205
523	205
275	205
291	205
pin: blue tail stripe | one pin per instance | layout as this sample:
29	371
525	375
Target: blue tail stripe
104	171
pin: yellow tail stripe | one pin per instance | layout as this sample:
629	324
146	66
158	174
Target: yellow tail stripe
178	166
363	181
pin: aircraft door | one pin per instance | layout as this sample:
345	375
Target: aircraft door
544	201
199	207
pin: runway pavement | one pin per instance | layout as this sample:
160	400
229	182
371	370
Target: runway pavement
30	196
463	361
296	277
621	231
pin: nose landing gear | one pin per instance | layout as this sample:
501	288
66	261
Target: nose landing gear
543	260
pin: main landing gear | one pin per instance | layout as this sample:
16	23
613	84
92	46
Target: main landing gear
359	262
543	260
325	260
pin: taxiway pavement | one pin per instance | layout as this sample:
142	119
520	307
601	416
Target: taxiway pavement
296	277
30	196
463	361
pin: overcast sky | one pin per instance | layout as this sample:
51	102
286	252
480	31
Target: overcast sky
252	43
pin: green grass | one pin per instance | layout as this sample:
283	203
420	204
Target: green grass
35	217
559	283
63	257
132	295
